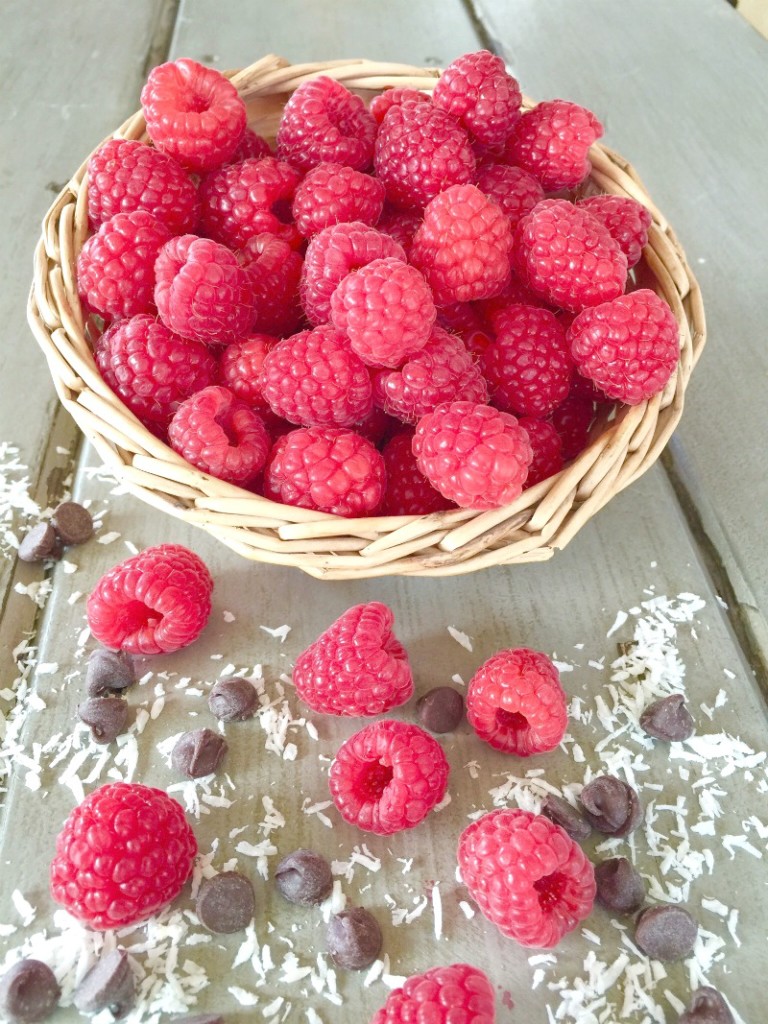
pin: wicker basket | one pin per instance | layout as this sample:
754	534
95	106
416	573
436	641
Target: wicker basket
544	518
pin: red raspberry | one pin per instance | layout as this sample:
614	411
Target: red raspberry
323	122
386	311
201	292
334	253
125	176
242	200
462	248
400	225
527	875
464	319
458	994
474	455
568	258
252	147
547	448
626	220
388	777
273	270
327	469
552	143
377	426
193	113
240	367
122	855
628	347
516	191
516	704
420	151
334	194
408	492
572	420
153	603
116	266
151	369
514	293
393	97
313	378
221	435
357	667
478	92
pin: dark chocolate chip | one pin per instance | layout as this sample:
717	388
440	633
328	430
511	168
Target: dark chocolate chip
611	806
619	886
200	1018
354	938
441	709
226	902
72	522
707	1007
28	992
304	877
668	719
38	543
568	818
109	985
198	753
233	700
107	717
666	932
108	672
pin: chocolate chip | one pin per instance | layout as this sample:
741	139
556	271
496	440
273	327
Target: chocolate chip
441	709
200	1018
28	992
304	877
666	933
107	717
611	806
72	522
668	719
619	886
233	700
198	753
568	818
354	938
226	903
108	672
707	1007
38	543
109	985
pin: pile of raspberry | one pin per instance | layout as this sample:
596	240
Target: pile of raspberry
400	309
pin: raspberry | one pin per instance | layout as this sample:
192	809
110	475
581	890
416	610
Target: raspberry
394	97
313	378
528	367
514	293
334	194
527	875
327	469
458	994
241	200
478	92
201	292
357	667
547	448
462	248
388	777
552	143
474	455
567	257
626	220
400	225
443	371
240	368
193	113
334	253
377	426
420	151
273	270
516	704
115	268
572	420
125	176
323	122
408	490
151	369
123	854
252	147
153	603
221	435
386	311
464	319
516	191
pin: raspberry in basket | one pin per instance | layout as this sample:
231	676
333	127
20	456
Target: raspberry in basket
442	995
388	777
381	103
153	603
193	113
527	875
334	194
516	191
252	147
123	854
357	667
626	220
240	366
547	448
408	490
273	270
477	90
552	143
573	420
400	225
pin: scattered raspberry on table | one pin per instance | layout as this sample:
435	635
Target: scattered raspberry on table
456	994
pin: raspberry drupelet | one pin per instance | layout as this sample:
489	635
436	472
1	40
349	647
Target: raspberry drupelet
323	122
456	994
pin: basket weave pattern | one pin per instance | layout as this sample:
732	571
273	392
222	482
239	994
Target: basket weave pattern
543	519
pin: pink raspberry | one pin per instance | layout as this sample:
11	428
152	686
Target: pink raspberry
327	469
193	113
273	270
240	366
252	147
377	426
477	90
394	97
572	420
201	292
116	266
334	194
241	200
462	248
629	347
528	876
552	143
409	493
421	151
547	448
457	994
516	191
388	777
514	293
323	122
626	220
566	257
357	667
474	455
400	225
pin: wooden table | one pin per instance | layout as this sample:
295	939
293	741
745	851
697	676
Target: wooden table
683	91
